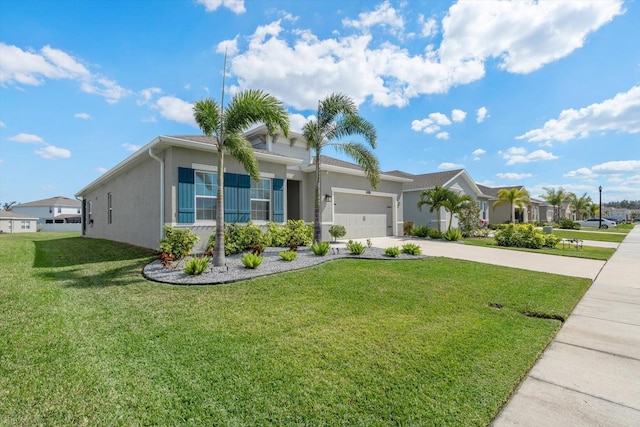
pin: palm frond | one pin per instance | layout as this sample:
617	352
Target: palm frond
240	149
207	114
353	124
256	106
333	106
364	158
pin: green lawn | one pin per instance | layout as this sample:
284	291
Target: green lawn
591	235
84	340
589	252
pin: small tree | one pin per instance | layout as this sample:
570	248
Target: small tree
439	197
469	221
515	197
7	206
337	231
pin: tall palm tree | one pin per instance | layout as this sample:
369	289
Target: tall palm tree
435	198
227	126
580	205
515	197
337	117
555	198
594	209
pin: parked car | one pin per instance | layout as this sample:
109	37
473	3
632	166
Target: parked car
616	220
595	222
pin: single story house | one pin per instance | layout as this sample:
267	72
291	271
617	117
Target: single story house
173	181
457	180
13	222
54	214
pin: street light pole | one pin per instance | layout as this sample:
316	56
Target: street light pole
600	209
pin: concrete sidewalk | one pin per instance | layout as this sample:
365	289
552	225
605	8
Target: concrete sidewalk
590	373
566	266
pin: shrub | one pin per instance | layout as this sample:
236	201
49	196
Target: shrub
257	249
320	248
196	266
520	236
368	243
407	228
251	260
569	224
178	241
434	233
550	241
411	249
276	235
337	231
452	235
392	251
299	233
239	238
355	248
288	255
166	258
421	231
469	222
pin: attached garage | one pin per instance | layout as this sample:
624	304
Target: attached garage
364	215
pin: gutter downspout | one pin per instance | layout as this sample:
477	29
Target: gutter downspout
161	161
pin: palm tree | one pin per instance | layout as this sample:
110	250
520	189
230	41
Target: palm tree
434	197
580	205
227	126
455	203
555	198
337	117
515	197
8	206
594	209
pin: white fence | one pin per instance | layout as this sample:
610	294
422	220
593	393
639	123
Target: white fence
60	227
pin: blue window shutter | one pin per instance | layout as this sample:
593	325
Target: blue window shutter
230	197
186	195
244	198
278	200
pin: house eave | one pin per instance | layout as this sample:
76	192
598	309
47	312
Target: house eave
353	172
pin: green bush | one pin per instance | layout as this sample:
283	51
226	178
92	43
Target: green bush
521	236
320	248
411	249
355	248
276	236
407	228
392	252
337	231
452	235
178	241
568	224
434	233
550	241
469	222
421	231
196	266
251	260
238	238
288	255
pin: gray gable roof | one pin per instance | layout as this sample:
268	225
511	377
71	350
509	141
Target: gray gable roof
14	215
212	140
426	180
53	201
493	191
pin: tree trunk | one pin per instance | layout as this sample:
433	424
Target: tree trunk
218	254
317	227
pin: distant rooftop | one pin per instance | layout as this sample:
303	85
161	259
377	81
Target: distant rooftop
53	201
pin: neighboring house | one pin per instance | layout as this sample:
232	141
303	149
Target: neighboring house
54	214
457	180
502	213
173	181
13	222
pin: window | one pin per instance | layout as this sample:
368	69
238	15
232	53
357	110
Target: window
59	210
206	192
26	225
260	200
50	209
109	209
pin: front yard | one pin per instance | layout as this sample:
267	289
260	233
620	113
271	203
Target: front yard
85	340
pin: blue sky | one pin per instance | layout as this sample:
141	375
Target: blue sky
531	93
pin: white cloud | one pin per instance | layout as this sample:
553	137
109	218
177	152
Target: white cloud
172	108
83	116
384	16
447	165
523	35
1	161
440	119
187	86
513	176
20	67
620	113
582	173
2	125
297	122
478	152
519	155
481	114
228	46
458	115
27	138
52	152
130	147
442	135
424	125
429	26
617	166
236	6
101	170
147	94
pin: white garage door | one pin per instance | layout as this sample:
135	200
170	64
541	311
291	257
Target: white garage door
363	216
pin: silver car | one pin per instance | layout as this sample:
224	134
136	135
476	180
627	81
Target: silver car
595	223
